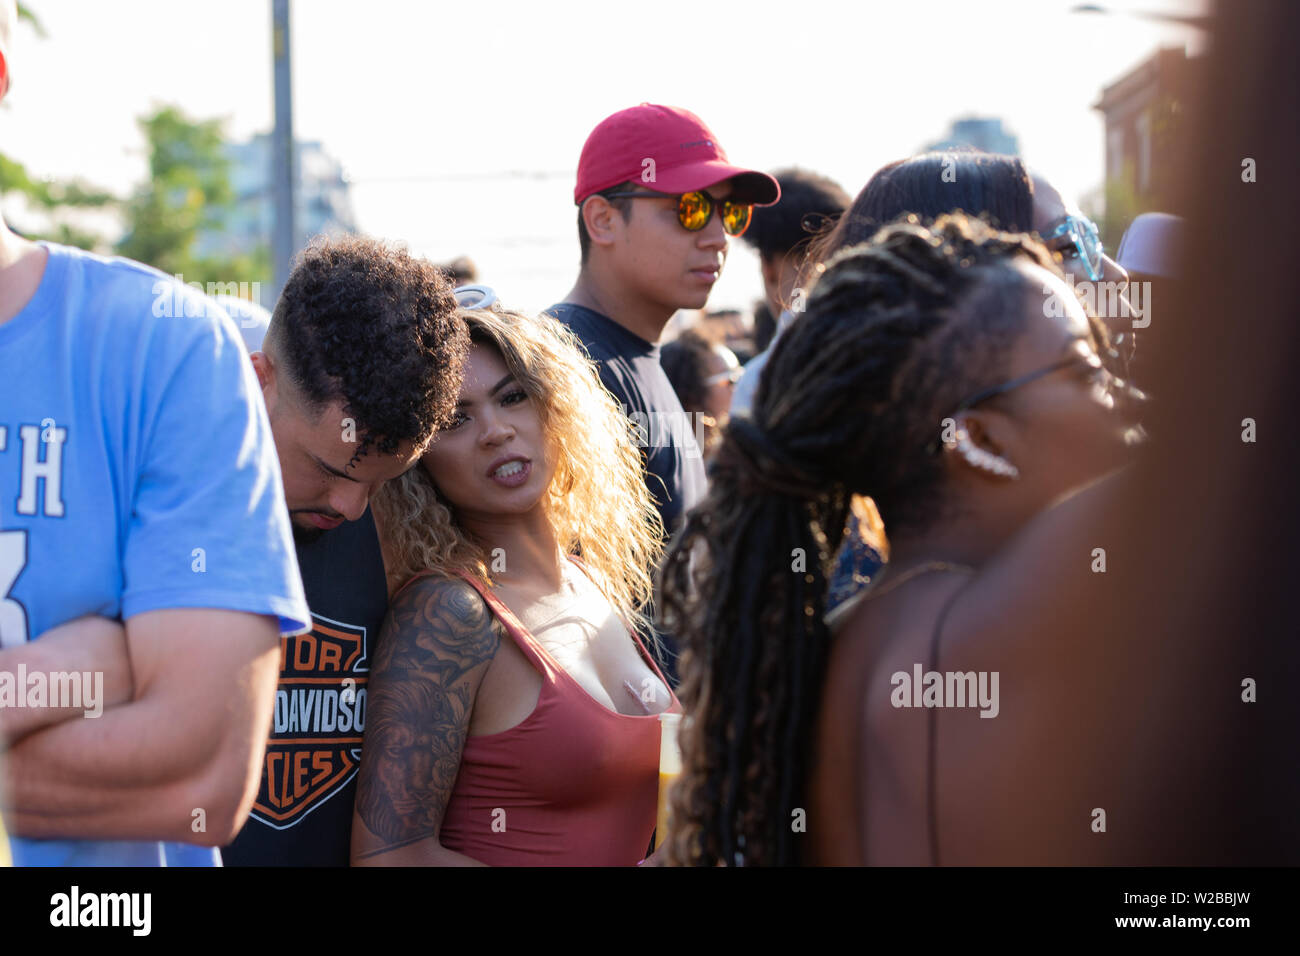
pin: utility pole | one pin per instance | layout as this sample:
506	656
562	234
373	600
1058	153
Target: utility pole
283	181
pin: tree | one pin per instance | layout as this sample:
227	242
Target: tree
58	203
1122	206
188	192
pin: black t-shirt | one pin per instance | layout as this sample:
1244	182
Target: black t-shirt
630	369
303	812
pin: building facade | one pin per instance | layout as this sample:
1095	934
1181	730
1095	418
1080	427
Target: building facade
985	134
1144	117
324	203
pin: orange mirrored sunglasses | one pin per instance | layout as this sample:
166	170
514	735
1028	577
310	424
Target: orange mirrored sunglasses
695	209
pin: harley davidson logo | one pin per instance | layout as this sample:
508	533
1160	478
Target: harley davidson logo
320	714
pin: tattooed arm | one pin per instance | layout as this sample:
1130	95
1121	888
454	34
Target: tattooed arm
437	643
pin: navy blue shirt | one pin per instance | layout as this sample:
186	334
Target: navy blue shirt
303	812
629	368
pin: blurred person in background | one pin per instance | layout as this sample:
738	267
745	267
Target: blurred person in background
703	374
1075	242
507	665
999	189
764	326
731	328
460	271
1151	251
252	319
780	234
680	321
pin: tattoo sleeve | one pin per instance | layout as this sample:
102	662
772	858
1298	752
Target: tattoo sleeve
432	653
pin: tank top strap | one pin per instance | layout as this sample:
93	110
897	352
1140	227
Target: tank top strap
931	731
514	627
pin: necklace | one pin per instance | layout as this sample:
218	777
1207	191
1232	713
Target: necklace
876	589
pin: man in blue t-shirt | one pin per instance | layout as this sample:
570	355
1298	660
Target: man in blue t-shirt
146	563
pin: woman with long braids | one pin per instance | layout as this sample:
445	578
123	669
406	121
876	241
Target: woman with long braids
513	710
948	373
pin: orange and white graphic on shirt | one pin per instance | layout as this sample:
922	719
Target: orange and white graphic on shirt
320	715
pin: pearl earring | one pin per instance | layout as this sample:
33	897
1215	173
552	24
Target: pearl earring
983	460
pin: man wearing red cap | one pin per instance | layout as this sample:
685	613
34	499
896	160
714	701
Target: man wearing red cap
657	199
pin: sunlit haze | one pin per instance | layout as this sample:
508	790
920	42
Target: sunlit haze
460	124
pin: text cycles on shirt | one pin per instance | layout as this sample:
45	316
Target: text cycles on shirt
320	711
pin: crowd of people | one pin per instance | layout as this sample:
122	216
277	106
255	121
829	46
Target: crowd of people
411	578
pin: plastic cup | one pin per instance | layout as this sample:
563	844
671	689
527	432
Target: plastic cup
670	765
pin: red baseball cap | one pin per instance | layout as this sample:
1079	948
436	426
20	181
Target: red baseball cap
665	149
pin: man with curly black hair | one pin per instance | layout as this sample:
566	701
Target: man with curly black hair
360	366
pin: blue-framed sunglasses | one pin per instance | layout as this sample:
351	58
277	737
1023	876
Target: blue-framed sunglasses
1077	237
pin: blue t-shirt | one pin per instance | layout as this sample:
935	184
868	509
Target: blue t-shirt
137	473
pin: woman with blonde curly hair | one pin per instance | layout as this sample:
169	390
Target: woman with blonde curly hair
513	708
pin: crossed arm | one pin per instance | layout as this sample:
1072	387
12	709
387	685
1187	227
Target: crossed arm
92	644
187	734
436	645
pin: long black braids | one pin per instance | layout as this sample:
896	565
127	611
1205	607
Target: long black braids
846	405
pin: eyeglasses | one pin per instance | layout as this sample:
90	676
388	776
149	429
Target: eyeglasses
474	296
1113	385
1116	388
1077	237
695	209
731	375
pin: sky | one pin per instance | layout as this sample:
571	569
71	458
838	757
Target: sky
459	124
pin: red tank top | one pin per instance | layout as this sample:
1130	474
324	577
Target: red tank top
574	784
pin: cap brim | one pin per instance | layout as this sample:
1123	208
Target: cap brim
1152	245
748	185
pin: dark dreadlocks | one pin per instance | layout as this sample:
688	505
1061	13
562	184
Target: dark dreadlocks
898	330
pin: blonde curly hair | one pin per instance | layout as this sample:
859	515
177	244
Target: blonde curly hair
598	504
